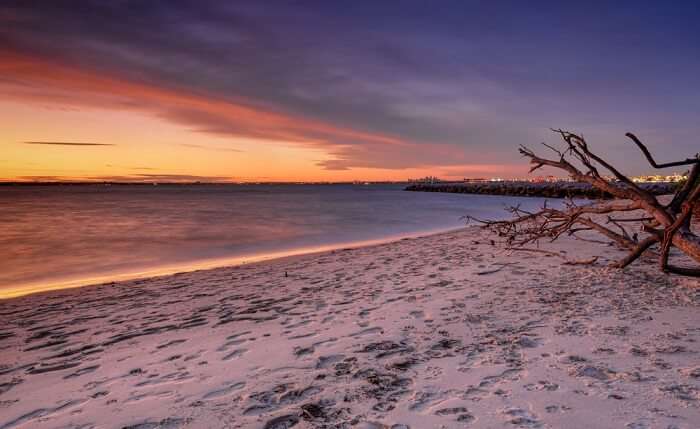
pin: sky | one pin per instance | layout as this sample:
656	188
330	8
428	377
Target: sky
337	91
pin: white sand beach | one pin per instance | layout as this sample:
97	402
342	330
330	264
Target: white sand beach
444	331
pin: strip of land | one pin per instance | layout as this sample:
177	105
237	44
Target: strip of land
534	189
443	331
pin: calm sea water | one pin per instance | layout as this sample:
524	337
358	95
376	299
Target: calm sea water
52	235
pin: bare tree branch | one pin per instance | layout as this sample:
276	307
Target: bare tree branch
645	151
668	225
636	252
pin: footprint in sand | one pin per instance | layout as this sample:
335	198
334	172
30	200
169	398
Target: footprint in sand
168	423
226	390
170	344
522	418
234	354
368	331
327	361
227	344
282	422
82	371
461	413
149	395
42	413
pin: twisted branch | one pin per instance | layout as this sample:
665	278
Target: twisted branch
668	226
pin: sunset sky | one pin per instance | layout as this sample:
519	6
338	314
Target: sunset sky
290	91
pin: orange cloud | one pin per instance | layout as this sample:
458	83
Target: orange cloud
32	79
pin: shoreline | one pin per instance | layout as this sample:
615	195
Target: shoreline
202	265
445	330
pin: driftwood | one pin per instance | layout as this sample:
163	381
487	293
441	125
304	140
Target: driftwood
663	226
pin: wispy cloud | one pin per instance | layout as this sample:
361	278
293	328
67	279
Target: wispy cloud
132	178
67	143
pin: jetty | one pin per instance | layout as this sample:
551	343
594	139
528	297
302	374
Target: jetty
558	189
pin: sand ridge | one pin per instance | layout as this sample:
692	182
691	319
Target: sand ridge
444	331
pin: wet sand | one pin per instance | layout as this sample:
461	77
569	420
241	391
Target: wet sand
444	331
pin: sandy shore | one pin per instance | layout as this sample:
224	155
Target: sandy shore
444	331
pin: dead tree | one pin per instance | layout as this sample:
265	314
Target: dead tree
662	226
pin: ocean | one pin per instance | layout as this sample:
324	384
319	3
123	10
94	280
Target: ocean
64	236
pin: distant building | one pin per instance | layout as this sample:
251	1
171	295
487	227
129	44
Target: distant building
546	179
656	178
426	180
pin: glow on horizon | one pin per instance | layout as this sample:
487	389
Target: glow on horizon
164	134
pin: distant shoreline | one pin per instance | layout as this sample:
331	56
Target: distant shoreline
534	189
156	183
